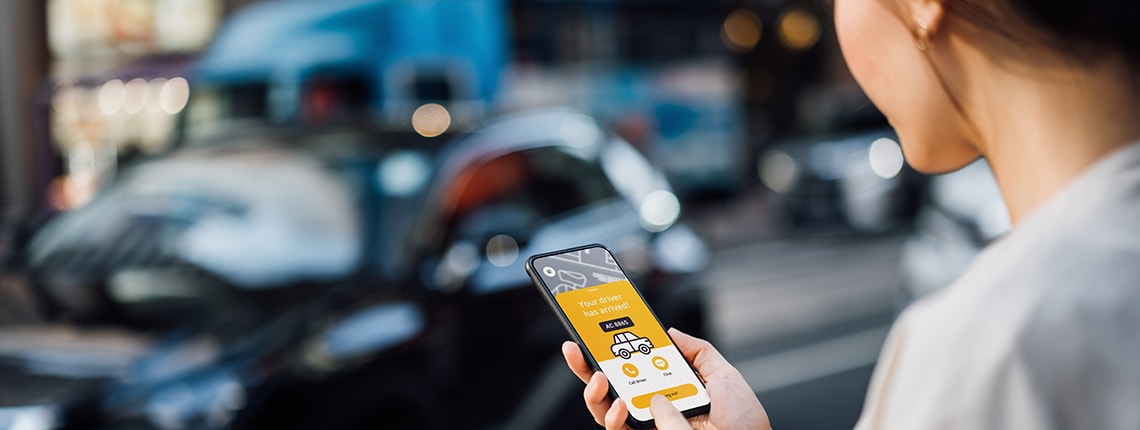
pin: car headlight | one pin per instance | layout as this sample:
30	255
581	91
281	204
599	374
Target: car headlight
36	417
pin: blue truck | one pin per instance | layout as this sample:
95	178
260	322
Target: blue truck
374	61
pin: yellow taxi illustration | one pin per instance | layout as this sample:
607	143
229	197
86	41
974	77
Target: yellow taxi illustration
626	343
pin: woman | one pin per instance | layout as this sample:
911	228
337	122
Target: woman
1043	330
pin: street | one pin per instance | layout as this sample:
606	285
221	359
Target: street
804	320
802	315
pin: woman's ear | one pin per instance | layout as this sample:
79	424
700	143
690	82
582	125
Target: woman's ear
925	17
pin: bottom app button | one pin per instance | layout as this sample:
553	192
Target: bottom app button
678	392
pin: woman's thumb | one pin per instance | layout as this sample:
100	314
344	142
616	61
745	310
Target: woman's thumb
665	416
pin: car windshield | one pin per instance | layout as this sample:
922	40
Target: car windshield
513	193
548	179
522	190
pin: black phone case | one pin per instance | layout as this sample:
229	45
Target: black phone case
530	271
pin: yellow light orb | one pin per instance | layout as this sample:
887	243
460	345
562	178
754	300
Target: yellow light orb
431	120
799	29
741	30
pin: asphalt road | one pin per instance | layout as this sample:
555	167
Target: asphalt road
804	320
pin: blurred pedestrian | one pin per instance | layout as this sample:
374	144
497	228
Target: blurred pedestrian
1043	330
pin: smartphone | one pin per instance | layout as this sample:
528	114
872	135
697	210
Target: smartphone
617	331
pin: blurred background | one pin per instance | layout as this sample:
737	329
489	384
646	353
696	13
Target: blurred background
314	214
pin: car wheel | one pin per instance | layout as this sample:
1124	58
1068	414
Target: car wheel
644	349
624	354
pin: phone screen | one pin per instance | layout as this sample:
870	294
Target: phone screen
617	328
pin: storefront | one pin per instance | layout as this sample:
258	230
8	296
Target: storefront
117	83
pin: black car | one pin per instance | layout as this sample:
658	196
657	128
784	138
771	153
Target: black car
337	280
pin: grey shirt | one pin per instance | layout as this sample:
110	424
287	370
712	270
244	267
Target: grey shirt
1041	332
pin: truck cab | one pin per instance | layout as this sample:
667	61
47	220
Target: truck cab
308	64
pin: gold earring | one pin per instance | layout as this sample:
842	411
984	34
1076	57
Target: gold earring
923	34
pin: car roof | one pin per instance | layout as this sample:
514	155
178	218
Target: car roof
563	127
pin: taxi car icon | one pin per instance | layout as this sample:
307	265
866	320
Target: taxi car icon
626	343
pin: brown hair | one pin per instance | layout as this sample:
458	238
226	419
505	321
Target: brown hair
1086	29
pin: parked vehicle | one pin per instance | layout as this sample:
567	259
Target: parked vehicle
963	213
292	285
859	179
307	64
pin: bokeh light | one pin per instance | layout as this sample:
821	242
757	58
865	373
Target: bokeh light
799	29
742	30
111	97
779	172
502	250
174	95
431	120
154	92
459	261
403	173
659	210
134	96
886	158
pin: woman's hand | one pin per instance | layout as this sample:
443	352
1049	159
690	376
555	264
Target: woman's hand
734	405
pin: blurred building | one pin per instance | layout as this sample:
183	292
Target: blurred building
699	86
659	72
117	82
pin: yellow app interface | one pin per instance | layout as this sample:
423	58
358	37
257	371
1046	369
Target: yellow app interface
620	331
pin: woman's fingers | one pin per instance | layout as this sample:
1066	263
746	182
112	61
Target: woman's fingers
613	413
597	389
597	399
615	417
666	416
577	363
705	358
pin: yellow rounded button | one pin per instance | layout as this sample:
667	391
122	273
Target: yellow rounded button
678	392
630	370
660	363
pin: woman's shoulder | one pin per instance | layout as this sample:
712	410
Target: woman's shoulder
1068	273
1062	290
1044	322
1057	320
1050	297
1079	252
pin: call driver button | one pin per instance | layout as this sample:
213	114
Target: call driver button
678	392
